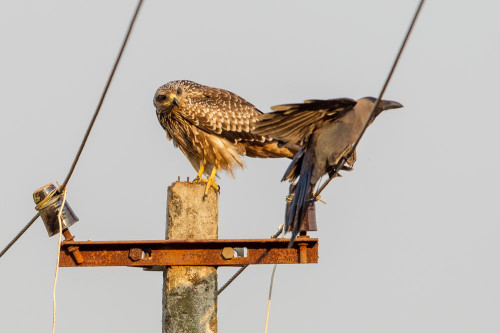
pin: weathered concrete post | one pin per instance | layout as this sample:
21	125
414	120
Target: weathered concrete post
190	292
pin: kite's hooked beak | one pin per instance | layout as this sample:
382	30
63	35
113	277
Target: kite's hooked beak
175	101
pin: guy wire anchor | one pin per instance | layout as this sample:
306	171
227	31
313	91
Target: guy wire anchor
48	203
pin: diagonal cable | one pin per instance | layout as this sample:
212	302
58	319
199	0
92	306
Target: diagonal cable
344	159
235	275
89	129
389	76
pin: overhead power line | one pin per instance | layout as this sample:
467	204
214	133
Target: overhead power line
343	160
89	129
379	98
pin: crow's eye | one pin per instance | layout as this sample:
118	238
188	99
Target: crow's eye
179	91
161	98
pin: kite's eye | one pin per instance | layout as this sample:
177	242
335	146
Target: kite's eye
179	91
161	98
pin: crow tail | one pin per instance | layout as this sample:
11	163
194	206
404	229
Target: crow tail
299	204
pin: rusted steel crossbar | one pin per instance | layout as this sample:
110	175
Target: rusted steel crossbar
216	252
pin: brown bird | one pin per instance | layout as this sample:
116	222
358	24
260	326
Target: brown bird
326	129
212	127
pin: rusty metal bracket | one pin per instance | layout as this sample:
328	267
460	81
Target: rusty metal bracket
212	252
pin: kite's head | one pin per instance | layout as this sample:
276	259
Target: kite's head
168	96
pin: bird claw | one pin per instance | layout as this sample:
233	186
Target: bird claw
210	184
199	180
318	198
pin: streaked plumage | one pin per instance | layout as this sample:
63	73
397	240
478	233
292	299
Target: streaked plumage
326	129
212	127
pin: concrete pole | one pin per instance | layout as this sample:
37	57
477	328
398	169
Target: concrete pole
190	292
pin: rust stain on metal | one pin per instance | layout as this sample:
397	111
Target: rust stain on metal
302	253
302	247
191	252
135	254
73	250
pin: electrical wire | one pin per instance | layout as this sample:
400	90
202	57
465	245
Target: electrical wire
269	298
342	161
235	275
379	98
23	230
281	230
89	129
57	261
103	95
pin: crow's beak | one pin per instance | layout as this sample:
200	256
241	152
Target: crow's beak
387	105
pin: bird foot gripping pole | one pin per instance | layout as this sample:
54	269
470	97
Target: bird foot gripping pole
48	203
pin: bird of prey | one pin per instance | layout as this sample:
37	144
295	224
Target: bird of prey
326	129
212	127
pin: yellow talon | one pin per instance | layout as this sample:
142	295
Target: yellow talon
211	182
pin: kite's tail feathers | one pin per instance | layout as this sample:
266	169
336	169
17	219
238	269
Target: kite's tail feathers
268	149
299	204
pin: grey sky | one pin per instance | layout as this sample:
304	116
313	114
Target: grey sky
408	240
